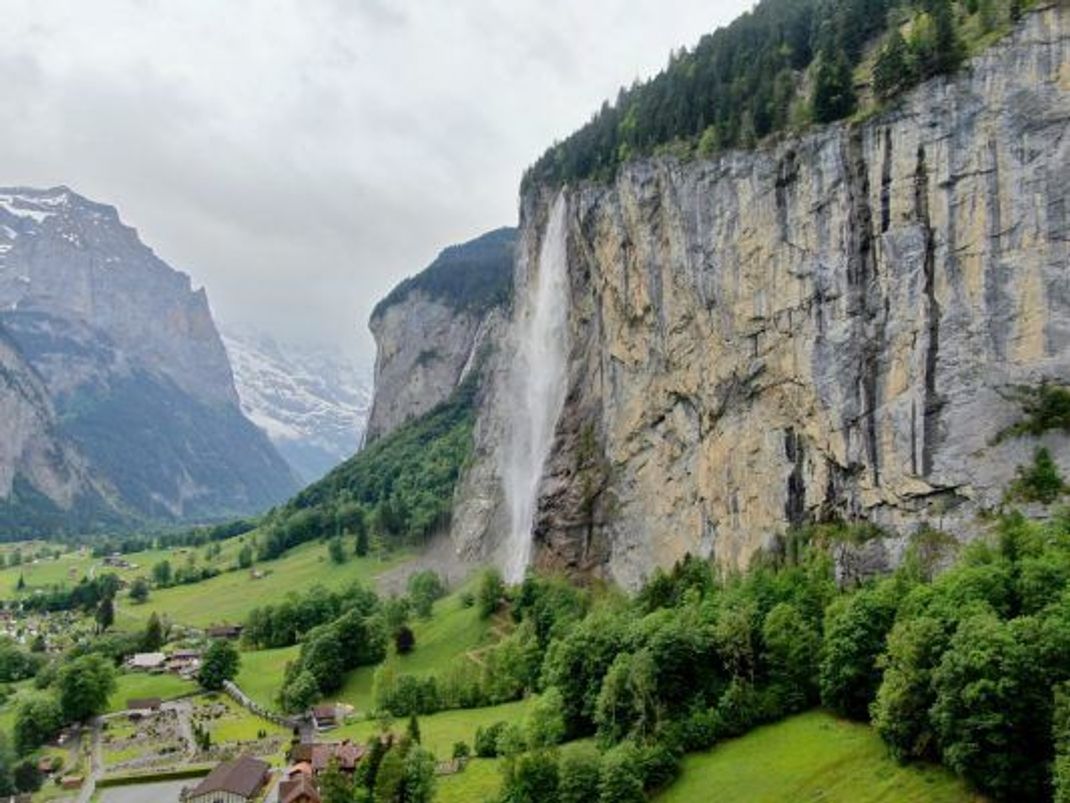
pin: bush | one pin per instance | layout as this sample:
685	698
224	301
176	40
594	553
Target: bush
579	772
486	741
1040	482
491	591
404	640
620	780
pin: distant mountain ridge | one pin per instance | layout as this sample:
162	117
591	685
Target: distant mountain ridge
312	403
131	362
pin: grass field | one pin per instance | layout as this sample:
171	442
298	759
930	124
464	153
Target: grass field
229	597
813	756
142	684
453	631
480	781
239	725
261	672
439	732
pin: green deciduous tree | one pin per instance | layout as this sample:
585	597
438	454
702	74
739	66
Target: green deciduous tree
424	589
620	780
419	776
220	663
38	719
334	785
855	629
992	713
579	772
792	653
491	591
84	686
153	637
300	692
139	590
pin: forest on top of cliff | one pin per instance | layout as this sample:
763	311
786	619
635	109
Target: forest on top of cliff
781	67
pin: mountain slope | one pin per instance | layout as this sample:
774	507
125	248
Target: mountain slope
827	326
131	360
429	329
312	404
44	482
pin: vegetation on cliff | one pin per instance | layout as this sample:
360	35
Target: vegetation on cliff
399	488
783	65
473	276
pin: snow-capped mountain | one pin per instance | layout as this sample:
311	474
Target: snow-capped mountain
127	359
312	403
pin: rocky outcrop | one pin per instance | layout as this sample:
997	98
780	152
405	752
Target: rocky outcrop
429	331
43	480
824	327
130	360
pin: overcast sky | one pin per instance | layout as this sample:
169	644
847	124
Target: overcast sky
300	157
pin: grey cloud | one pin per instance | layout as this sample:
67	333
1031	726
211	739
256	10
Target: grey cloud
300	158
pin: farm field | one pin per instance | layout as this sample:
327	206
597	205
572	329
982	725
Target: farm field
452	631
439	732
261	673
812	756
229	597
481	780
141	684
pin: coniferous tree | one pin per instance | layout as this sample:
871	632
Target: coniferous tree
105	615
893	71
833	95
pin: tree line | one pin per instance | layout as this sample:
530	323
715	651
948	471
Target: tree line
780	67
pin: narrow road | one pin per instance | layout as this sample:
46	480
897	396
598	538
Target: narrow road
96	762
184	713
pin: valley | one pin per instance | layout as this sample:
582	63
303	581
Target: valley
737	470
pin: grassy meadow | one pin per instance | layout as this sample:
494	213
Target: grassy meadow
452	632
131	685
229	597
812	756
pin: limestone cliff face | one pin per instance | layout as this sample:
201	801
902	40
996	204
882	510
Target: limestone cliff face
430	329
827	326
423	348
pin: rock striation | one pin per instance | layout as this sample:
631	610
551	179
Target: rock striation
825	327
431	328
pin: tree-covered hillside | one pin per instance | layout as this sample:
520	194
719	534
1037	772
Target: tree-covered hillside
471	276
399	488
784	65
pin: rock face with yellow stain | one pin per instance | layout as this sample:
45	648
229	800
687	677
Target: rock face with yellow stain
827	327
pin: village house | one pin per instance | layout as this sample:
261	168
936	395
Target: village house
317	756
184	662
237	781
224	631
324	717
299	788
143	706
147	661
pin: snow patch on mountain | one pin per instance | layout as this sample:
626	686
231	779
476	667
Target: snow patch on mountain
313	403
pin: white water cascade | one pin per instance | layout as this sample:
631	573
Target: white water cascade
537	386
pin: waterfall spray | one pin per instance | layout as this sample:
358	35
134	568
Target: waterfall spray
537	386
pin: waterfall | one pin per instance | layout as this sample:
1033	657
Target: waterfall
537	385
